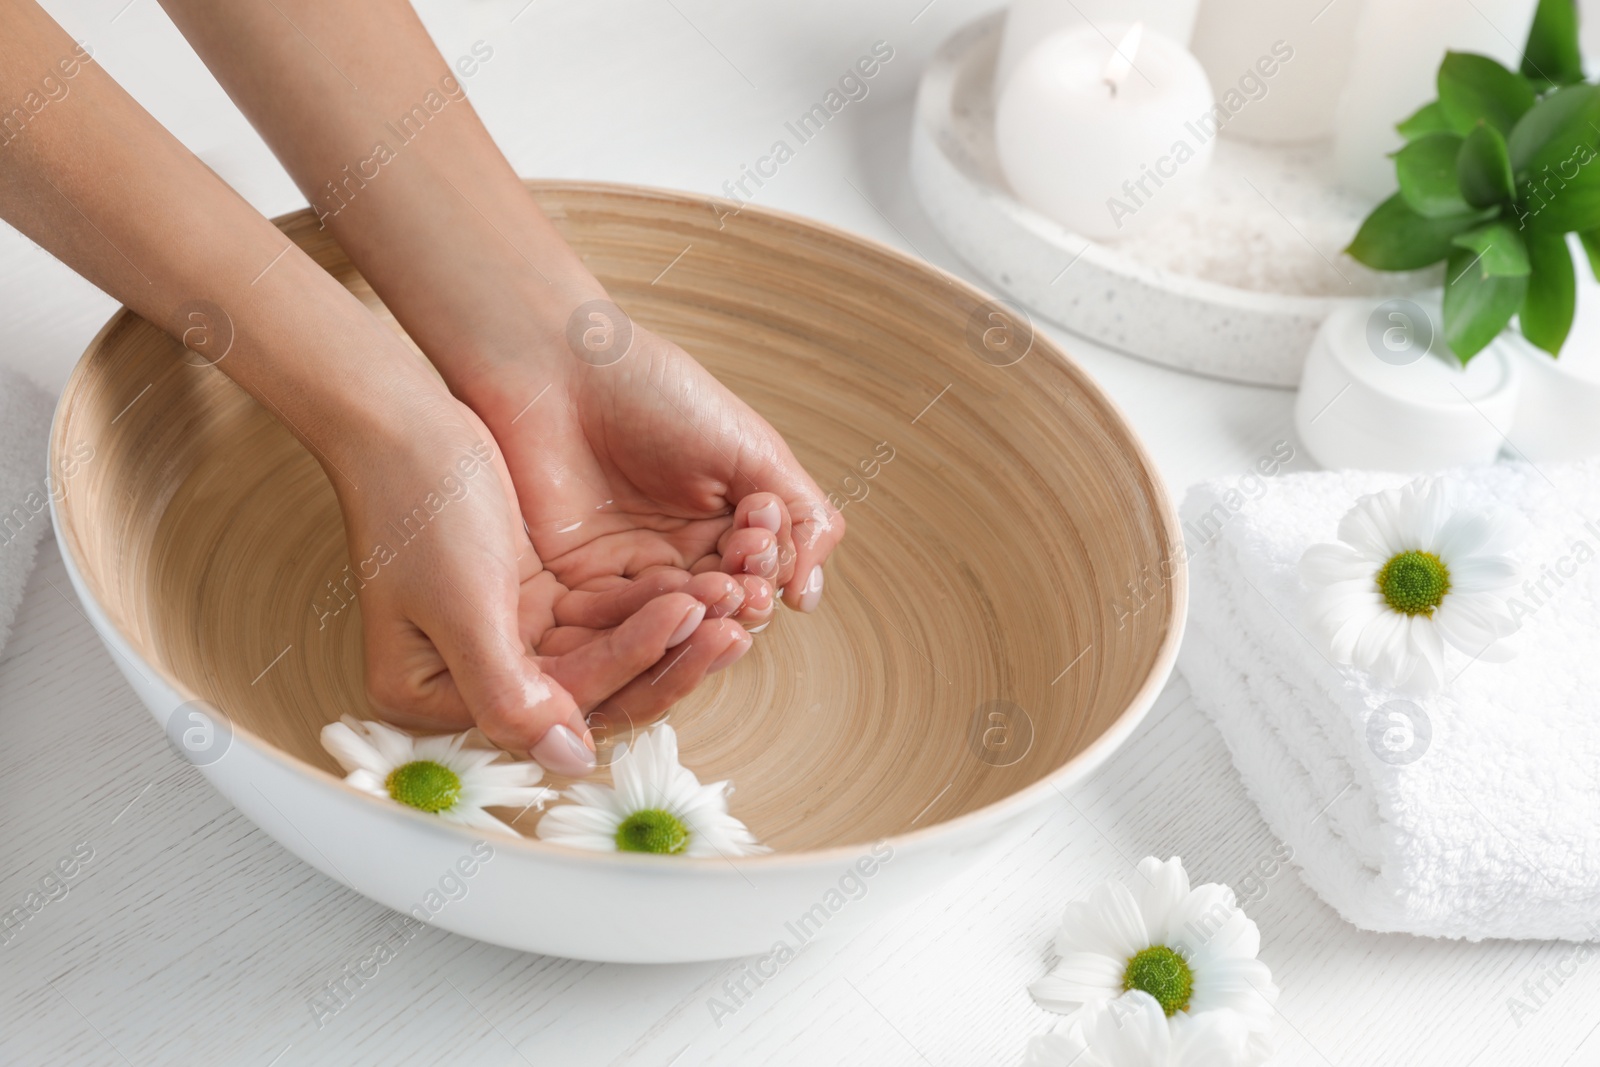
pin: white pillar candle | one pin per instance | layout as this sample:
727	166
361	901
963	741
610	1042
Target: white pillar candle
1030	21
1103	139
1307	41
1398	49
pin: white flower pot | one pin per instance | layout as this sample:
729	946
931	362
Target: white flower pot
1381	391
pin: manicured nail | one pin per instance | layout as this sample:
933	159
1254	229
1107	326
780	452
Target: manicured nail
561	751
767	517
727	656
732	602
811	592
686	627
763	564
757	594
758	629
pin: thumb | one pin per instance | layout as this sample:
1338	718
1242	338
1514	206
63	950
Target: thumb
514	703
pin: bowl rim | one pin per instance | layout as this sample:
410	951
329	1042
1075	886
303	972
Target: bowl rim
1012	805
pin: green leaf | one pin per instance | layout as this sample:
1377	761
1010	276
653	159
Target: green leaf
1558	206
1591	248
1501	251
1552	55
1477	305
1556	130
1429	118
1427	171
1474	88
1547	308
1483	169
1394	237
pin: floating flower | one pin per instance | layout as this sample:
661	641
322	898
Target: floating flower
1412	574
655	805
1162	975
453	776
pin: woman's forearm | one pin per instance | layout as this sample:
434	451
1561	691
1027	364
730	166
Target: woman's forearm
92	178
378	133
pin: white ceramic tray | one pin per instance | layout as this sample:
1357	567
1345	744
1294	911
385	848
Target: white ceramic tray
1107	295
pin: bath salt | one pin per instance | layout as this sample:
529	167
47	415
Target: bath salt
1270	220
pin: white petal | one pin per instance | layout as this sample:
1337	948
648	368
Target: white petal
1474	621
1208	920
1370	526
352	750
1425	646
1130	1031
1079	979
570	823
1484	574
1236	984
1108	922
1340	618
1329	563
1209	1039
1062	1048
1378	645
1160	888
1463	535
477	818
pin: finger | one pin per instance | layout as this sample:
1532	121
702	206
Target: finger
714	645
760	601
598	668
605	608
722	594
818	528
751	551
764	511
514	703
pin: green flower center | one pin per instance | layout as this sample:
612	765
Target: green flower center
653	830
1163	974
1414	583
425	785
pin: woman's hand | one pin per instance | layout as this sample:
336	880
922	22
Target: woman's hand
463	625
640	459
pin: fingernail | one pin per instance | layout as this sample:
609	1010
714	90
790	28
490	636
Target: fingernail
766	517
561	752
727	656
811	592
686	627
757	594
763	564
758	629
730	603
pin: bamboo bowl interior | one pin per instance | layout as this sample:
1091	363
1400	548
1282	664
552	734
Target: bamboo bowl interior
991	552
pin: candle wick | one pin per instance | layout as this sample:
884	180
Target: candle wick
1121	61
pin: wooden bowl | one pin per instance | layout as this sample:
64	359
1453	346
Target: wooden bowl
1007	604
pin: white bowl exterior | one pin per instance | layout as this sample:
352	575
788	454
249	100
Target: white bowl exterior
607	908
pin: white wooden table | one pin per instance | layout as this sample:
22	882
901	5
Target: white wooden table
191	938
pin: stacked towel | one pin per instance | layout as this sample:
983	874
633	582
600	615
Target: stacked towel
24	489
1471	812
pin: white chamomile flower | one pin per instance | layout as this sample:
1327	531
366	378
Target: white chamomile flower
1161	974
1412	573
1133	1031
654	805
453	776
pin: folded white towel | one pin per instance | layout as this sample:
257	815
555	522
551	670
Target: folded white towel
1472	812
24	488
